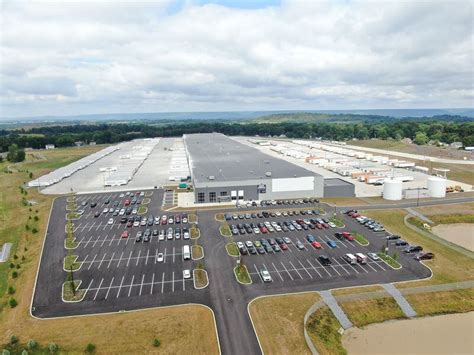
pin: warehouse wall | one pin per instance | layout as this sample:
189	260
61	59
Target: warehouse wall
342	190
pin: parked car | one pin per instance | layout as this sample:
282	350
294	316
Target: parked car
331	243
413	249
316	245
424	256
266	277
373	256
124	234
324	260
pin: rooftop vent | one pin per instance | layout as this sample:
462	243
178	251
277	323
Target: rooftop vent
211	177
268	173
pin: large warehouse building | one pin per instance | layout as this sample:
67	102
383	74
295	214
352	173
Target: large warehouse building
225	170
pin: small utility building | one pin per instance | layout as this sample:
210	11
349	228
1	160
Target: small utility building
225	170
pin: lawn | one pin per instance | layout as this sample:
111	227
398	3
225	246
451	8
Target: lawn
70	262
197	252
353	290
194	231
220	217
448	265
225	230
433	303
281	330
133	332
364	312
389	260
337	221
323	328
232	249
200	278
242	274
360	238
453	218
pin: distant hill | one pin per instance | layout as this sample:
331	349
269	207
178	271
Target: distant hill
265	116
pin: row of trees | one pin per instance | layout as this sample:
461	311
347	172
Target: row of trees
420	132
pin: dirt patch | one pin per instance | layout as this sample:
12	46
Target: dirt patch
447	334
460	233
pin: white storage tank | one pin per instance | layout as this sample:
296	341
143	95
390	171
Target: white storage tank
437	186
392	190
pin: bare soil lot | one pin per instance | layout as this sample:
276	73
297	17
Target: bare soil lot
447	334
460	233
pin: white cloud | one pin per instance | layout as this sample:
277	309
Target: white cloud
88	57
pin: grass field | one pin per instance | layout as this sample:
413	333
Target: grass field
442	302
458	208
448	265
280	330
322	328
133	332
353	290
364	312
453	218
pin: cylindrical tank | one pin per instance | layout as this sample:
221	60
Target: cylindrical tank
392	189
437	186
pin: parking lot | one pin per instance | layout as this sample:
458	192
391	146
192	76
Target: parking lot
294	255
123	254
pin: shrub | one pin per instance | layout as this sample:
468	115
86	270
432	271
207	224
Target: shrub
14	274
26	249
12	266
13	303
13	340
27	227
156	342
5	352
31	175
11	290
29	217
15	256
18	266
32	344
36	218
53	347
24	352
90	348
34	230
23	258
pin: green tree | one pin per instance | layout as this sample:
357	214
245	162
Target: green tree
90	348
13	303
421	138
156	342
15	154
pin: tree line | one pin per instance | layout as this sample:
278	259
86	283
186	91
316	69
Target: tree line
64	136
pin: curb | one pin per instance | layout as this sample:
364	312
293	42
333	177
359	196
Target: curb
199	246
233	256
78	287
194	278
242	283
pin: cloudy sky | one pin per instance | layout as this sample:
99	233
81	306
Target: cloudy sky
66	58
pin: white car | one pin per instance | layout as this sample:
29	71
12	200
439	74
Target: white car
105	210
266	277
278	213
160	258
134	211
186	274
240	245
249	244
332	225
177	235
121	195
278	228
143	222
186	235
157	220
110	221
122	212
170	220
161	236
285	213
185	220
80	212
256	230
142	194
136	224
373	256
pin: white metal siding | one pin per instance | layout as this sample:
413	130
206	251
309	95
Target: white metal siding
304	183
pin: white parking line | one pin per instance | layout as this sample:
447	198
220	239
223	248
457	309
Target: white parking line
110	261
162	282
141	285
95	241
152	283
129	257
101	261
304	267
138	258
313	268
343	268
296	270
92	262
371	267
131	285
98	289
326	269
85	245
120	260
156	256
184	284
108	290
281	277
380	265
104	240
164	257
173	254
119	240
172	284
147	253
88	287
120	287
291	277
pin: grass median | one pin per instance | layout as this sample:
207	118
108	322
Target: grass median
192	218
71	263
337	221
194	231
200	278
242	274
232	249
323	328
225	230
389	260
220	217
197	252
70	295
359	238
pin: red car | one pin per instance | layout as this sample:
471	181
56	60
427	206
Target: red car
319	226
127	202
264	230
125	234
355	215
316	245
325	225
345	234
349	237
284	246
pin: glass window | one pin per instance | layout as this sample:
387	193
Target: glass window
212	197
201	197
223	193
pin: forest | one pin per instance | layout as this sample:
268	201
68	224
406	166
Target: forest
421	132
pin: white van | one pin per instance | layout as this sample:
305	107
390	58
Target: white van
351	259
186	252
361	258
